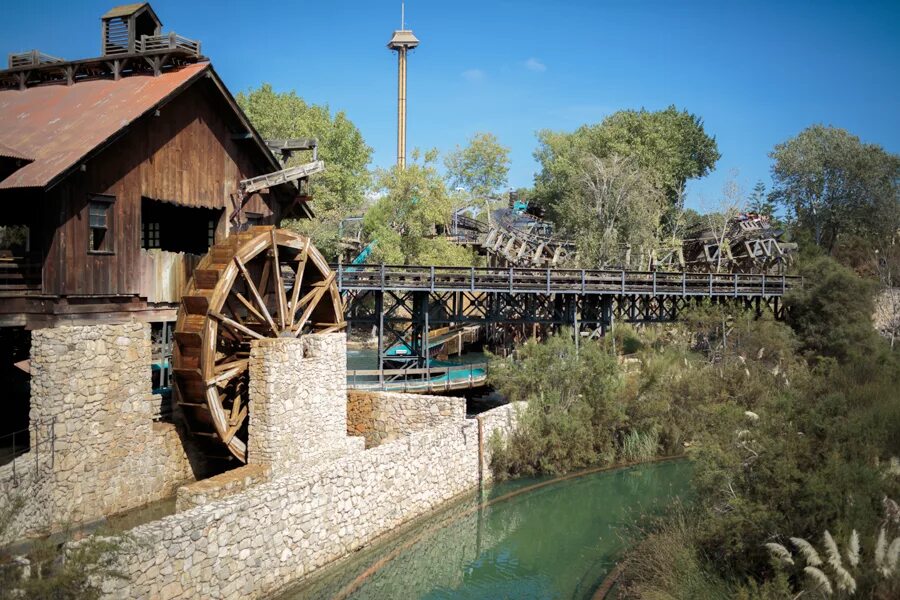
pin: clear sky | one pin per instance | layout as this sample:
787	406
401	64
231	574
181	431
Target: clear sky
757	71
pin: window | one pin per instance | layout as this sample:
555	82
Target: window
100	219
150	235
171	227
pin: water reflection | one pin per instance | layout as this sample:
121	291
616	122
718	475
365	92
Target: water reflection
556	541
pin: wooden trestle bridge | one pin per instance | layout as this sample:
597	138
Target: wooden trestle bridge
403	303
266	282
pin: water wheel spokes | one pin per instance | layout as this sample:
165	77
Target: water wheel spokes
262	283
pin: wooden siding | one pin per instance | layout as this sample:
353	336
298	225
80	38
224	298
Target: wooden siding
184	156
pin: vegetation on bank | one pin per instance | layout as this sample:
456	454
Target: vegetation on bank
794	429
59	570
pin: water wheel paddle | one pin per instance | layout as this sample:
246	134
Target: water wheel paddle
261	283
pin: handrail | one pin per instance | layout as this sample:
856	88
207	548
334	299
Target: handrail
564	281
400	380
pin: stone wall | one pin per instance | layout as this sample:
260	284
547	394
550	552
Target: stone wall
298	406
384	416
98	450
254	543
501	420
221	486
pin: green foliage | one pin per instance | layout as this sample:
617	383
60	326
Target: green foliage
482	167
671	146
759	201
832	312
572	414
834	185
667	566
414	206
72	571
614	204
638	447
339	191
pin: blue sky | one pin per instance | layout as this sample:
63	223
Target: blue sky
757	72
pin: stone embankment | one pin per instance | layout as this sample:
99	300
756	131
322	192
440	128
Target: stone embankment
267	535
97	446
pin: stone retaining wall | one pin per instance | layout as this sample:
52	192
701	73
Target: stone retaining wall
221	486
256	542
384	416
106	454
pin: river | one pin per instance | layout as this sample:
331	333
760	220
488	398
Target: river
537	538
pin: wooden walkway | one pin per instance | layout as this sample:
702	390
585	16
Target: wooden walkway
515	280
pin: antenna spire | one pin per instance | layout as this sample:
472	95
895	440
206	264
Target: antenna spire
402	15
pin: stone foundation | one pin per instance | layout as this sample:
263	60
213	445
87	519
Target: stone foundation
384	416
298	406
97	450
256	542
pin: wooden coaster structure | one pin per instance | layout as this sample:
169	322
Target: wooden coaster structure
261	283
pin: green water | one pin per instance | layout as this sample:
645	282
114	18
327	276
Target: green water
556	541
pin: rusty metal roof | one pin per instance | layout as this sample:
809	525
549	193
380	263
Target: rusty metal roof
124	10
7	152
58	125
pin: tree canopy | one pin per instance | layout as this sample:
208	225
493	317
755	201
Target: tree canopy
482	167
670	145
615	205
340	190
413	208
834	185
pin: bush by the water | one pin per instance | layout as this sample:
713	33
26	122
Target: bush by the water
812	449
794	429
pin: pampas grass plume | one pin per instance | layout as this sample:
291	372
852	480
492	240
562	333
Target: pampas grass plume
853	549
808	552
819	577
893	555
780	552
834	555
845	581
881	549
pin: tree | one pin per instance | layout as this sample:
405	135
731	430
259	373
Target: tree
759	201
413	208
339	191
670	145
481	168
834	185
616	206
719	219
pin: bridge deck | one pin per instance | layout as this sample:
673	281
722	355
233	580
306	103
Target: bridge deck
561	281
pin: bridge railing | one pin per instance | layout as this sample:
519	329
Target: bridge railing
565	281
423	379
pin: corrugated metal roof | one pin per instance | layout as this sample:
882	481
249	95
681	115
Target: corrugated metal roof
58	125
124	10
8	152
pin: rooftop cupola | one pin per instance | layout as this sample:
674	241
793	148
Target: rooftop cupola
125	26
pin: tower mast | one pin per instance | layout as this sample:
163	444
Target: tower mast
402	41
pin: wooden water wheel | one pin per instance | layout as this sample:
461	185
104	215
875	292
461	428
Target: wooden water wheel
261	283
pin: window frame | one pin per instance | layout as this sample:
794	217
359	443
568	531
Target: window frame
108	201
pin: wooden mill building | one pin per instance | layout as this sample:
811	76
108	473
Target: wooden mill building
116	173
